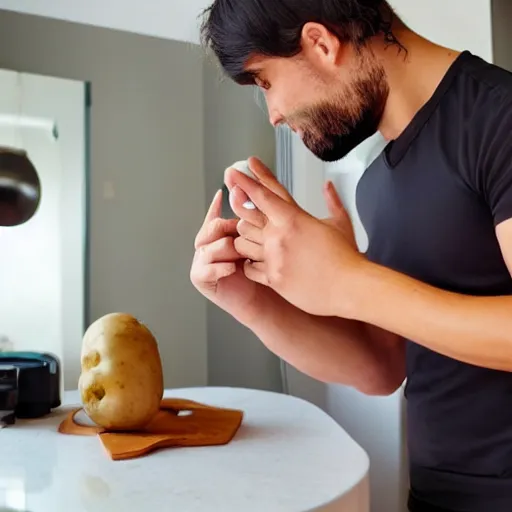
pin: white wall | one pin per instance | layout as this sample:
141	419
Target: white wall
42	261
170	19
459	24
453	22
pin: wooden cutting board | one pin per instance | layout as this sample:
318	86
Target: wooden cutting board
179	423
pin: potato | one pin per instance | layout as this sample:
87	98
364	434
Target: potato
121	383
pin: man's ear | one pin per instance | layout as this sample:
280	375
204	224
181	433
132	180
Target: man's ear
321	44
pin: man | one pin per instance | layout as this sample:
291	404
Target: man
431	300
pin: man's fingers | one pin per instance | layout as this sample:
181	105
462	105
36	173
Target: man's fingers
237	199
340	219
255	271
248	249
334	203
222	250
208	275
250	231
215	209
214	230
265	176
266	201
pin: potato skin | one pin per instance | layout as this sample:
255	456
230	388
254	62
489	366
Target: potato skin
121	383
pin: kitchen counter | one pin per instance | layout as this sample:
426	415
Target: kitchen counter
288	456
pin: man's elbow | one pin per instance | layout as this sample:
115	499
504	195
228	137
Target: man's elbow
380	387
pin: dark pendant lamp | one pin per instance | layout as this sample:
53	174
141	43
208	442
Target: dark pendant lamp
20	187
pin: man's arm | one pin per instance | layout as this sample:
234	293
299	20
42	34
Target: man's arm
328	349
334	350
475	330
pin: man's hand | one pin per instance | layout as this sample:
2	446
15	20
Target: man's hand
329	349
315	265
305	260
217	268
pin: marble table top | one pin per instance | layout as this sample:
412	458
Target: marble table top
288	456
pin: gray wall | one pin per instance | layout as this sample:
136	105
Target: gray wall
501	39
235	128
147	140
164	126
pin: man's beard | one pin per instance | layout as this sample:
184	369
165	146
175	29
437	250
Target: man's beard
333	129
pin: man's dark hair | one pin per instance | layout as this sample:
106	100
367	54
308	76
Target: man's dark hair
238	29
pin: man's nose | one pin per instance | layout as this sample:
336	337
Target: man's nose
275	118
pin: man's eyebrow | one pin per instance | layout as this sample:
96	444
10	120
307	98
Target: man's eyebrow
248	76
254	70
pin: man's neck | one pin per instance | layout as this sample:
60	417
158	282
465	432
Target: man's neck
413	76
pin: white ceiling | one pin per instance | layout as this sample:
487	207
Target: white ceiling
170	19
465	24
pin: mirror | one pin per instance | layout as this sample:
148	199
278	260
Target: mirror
43	164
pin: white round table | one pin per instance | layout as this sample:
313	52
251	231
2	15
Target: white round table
288	456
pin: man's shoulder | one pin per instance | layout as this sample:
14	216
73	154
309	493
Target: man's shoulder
483	105
487	84
480	103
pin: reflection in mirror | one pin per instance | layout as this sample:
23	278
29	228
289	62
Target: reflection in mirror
42	167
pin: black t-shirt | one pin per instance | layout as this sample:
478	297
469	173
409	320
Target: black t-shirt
430	204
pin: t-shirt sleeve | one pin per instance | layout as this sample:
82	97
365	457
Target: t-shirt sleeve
495	161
